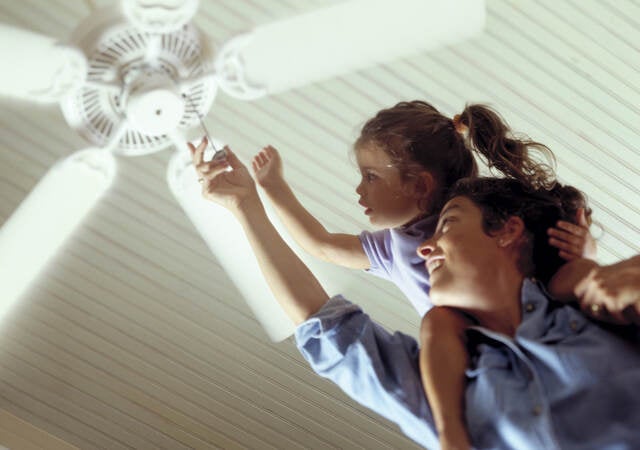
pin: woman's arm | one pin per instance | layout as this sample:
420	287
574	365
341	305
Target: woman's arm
337	248
374	367
340	342
227	182
443	361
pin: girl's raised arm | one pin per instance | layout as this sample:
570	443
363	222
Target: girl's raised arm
336	248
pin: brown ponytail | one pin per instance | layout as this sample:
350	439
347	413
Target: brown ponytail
492	138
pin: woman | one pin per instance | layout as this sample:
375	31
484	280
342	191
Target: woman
541	375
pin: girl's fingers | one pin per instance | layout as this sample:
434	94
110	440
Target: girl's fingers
563	245
271	151
572	228
257	159
581	218
599	299
580	290
264	156
567	256
565	236
601	313
576	236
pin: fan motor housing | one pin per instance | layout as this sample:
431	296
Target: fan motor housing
141	87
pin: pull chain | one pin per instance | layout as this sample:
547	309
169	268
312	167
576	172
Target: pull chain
217	154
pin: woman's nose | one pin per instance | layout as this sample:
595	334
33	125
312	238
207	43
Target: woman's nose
425	249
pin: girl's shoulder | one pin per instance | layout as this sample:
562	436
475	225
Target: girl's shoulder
421	228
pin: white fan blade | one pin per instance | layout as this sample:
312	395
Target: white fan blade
346	37
43	221
36	67
224	236
159	16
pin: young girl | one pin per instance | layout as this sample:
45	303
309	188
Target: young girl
409	155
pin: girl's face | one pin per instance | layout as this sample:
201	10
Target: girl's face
389	201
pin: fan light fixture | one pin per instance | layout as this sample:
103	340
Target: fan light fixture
136	77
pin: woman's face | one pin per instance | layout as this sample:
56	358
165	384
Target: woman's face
389	201
460	257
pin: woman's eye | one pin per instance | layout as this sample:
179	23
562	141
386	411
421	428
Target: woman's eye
370	177
445	222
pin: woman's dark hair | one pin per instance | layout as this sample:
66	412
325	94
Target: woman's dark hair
539	209
417	137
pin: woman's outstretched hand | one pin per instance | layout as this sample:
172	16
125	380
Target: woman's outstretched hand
225	180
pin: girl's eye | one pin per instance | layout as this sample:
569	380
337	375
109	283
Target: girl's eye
370	177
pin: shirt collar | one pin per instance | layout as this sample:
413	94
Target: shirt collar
535	303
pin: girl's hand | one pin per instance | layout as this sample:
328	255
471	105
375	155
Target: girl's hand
612	293
224	180
574	240
267	167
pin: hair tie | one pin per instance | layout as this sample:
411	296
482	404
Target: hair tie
459	126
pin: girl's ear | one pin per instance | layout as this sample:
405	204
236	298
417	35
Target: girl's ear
423	185
423	189
511	232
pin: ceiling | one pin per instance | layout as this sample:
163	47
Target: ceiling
133	337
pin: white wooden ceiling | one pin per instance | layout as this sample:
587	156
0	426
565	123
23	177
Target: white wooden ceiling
133	337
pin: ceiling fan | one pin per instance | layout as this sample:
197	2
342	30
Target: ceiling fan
137	77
